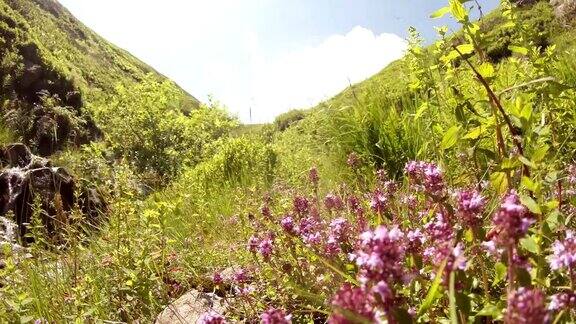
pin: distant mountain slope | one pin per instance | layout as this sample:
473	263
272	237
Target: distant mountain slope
538	15
51	66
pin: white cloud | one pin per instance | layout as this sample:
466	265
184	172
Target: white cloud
213	47
305	77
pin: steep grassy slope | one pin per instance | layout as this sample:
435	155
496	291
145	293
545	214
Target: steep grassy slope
52	67
283	205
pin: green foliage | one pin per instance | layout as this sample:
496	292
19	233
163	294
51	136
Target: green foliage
433	105
145	125
286	119
379	129
235	162
537	18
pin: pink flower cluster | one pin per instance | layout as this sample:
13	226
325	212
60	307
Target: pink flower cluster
439	241
212	317
563	300
352	302
264	246
333	202
275	316
527	306
511	222
426	176
564	253
381	255
470	206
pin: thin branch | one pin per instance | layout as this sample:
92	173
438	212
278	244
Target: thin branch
496	102
541	80
479	9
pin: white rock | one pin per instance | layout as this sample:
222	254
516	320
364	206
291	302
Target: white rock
189	308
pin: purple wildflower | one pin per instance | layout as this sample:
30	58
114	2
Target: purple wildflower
301	205
564	253
383	293
526	306
265	248
381	175
427	175
313	176
241	276
339	229
470	207
288	225
379	201
217	278
563	300
511	222
211	317
253	243
351	303
333	202
381	255
415	241
275	316
438	230
410	201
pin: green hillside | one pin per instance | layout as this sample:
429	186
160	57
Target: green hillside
440	190
50	59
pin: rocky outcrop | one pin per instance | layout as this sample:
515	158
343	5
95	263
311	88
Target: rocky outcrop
29	181
190	307
40	104
564	10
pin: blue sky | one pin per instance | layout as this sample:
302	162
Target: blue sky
265	55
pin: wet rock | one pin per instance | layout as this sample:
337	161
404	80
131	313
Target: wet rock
17	155
189	308
31	181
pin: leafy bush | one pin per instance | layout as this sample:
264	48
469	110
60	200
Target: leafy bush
378	129
537	19
286	119
145	125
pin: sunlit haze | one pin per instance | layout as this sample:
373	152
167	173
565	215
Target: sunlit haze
264	56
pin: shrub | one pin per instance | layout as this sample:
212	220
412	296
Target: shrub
286	119
145	125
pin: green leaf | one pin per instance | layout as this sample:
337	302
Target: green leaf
529	184
509	164
433	294
465	48
490	310
458	10
423	107
518	49
553	220
475	133
500	271
540	153
440	12
526	162
529	243
450	137
530	204
486	70
499	181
